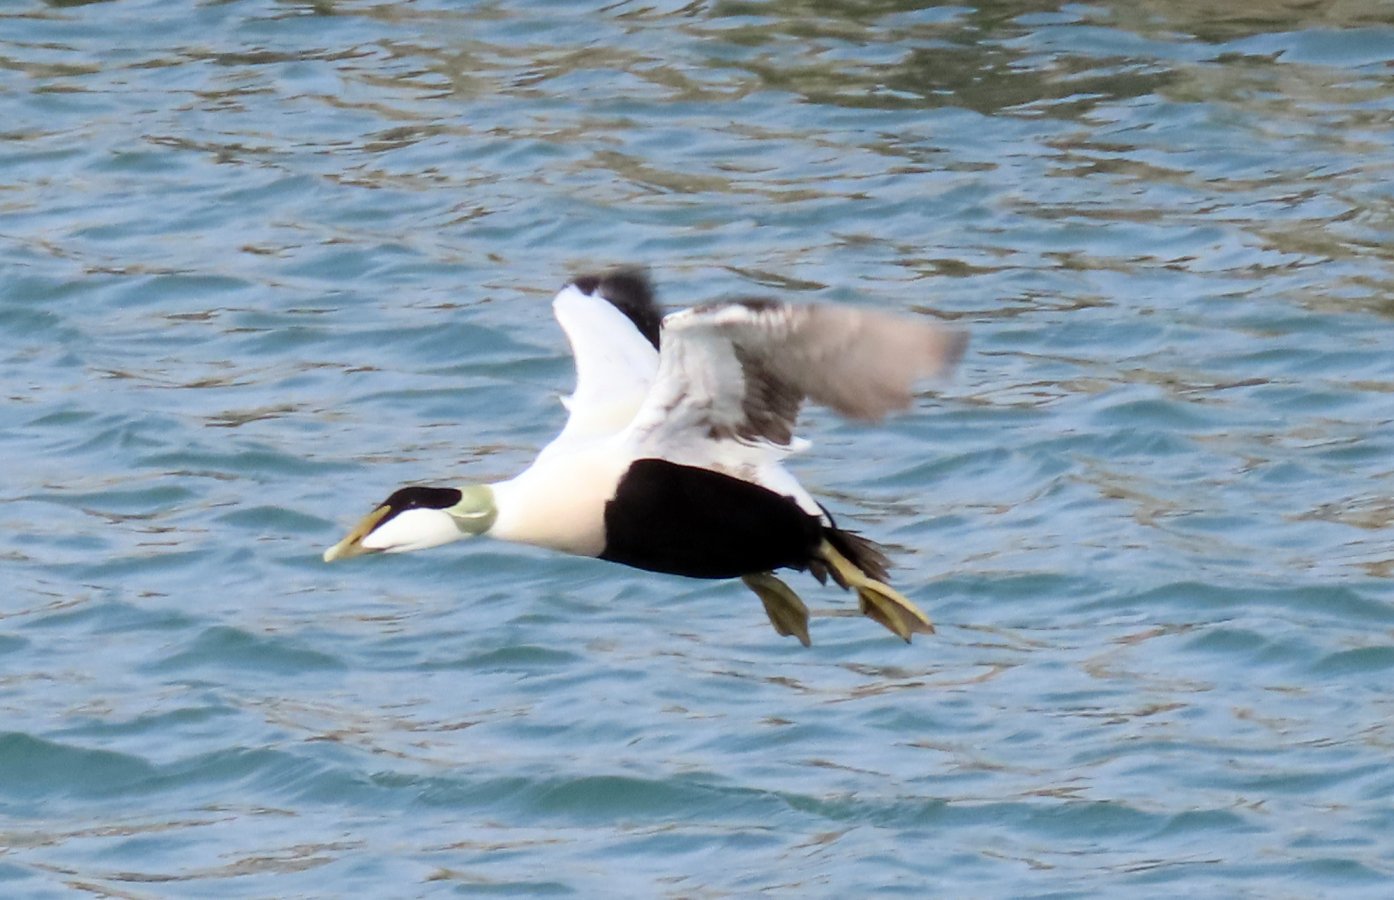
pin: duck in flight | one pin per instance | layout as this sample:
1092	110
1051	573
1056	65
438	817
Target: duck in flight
671	459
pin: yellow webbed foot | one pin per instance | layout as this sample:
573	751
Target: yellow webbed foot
886	606
787	612
879	601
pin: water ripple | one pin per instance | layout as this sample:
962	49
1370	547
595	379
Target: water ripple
265	262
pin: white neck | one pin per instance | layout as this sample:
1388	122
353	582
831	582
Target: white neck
559	501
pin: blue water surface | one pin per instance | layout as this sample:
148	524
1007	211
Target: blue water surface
262	262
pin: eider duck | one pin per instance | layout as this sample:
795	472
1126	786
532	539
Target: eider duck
671	459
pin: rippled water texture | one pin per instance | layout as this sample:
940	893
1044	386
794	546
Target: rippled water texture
261	263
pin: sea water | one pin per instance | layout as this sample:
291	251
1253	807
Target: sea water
262	262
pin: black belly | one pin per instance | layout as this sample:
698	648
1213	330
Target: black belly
683	520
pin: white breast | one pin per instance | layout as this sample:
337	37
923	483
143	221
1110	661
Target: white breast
559	501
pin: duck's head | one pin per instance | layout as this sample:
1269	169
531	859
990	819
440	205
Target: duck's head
415	518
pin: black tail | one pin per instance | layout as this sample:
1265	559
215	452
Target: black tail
861	552
856	563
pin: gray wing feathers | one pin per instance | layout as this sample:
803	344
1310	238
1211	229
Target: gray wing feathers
859	363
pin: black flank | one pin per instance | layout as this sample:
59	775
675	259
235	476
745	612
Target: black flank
629	291
684	520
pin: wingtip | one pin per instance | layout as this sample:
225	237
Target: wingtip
630	290
944	349
955	346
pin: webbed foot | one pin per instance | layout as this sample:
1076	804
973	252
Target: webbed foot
886	606
879	601
787	612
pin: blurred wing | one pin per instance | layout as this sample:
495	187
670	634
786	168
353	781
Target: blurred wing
732	376
608	321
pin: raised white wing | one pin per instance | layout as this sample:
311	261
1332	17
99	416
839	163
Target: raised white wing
615	362
732	376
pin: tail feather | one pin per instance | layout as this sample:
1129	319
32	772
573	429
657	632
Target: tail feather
861	552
